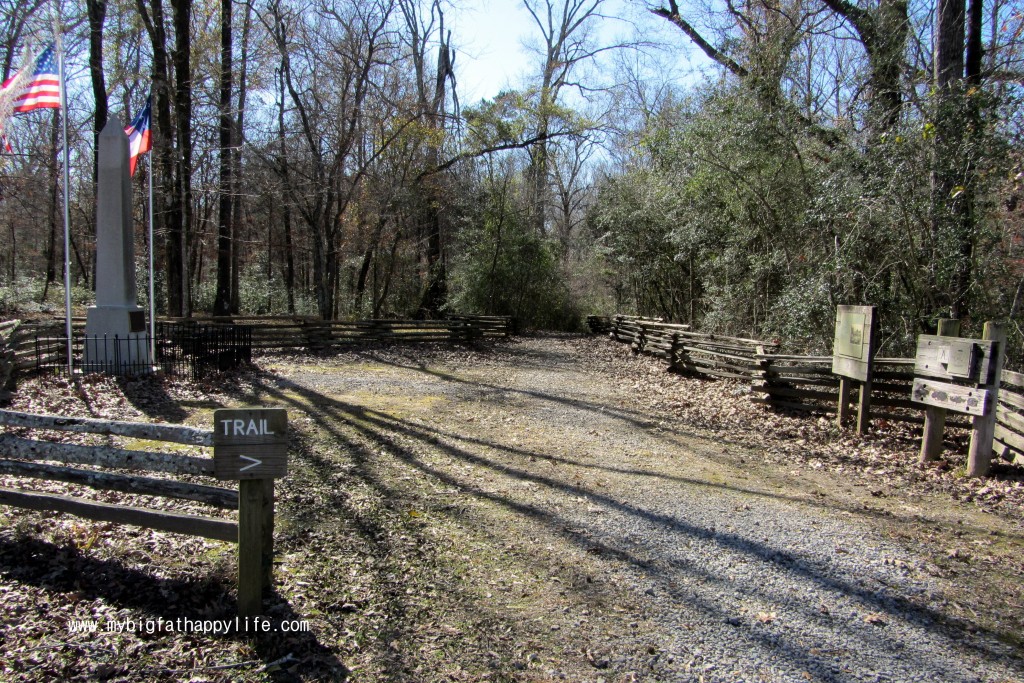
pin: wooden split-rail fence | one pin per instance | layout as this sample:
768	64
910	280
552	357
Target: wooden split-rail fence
26	345
711	355
26	453
1009	429
804	383
289	332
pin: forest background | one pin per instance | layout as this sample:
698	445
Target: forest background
314	157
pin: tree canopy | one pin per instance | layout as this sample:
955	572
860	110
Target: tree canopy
319	158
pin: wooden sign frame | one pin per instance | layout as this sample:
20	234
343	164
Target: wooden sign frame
977	364
955	358
853	354
955	397
853	347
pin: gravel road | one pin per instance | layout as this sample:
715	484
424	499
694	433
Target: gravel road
610	543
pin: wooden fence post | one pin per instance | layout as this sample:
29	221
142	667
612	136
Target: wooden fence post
250	547
764	366
864	408
267	544
979	458
935	417
309	334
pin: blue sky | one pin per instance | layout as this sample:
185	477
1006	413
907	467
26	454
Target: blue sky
489	36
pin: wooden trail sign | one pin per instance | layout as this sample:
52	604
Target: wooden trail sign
853	351
252	430
963	376
250	444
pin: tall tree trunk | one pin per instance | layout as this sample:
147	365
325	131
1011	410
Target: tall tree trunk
883	32
238	219
436	292
54	186
286	211
97	10
179	289
222	301
166	213
952	224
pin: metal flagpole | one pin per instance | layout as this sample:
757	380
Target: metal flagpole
152	300
67	189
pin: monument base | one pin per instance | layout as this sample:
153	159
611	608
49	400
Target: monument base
116	341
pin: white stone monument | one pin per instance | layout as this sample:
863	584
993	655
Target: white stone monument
115	327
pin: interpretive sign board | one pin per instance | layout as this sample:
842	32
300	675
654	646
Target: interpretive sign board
949	358
250	443
968	371
853	347
853	351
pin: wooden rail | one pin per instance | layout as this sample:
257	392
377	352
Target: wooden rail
794	382
26	345
1009	430
316	335
806	383
692	352
42	458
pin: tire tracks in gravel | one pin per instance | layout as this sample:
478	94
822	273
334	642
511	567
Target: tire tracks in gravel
531	523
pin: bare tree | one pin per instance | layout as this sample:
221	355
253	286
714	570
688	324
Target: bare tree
97	11
179	297
423	30
883	31
330	55
567	41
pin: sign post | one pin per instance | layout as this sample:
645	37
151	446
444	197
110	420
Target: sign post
934	416
961	375
853	352
251	446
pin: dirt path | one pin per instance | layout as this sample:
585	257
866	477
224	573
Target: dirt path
540	509
518	515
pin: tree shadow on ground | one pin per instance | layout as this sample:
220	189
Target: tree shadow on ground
66	569
342	420
147	393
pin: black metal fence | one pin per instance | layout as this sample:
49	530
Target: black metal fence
180	349
203	348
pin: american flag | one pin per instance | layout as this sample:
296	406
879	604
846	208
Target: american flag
42	91
140	137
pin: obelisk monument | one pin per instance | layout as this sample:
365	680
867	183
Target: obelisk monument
115	327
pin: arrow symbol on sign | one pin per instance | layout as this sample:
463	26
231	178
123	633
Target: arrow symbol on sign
254	461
